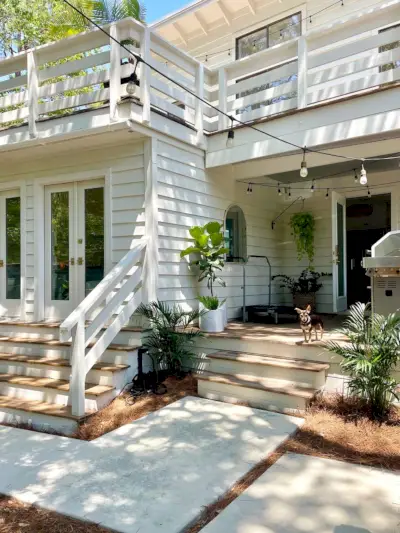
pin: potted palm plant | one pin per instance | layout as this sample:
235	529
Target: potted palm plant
209	253
303	288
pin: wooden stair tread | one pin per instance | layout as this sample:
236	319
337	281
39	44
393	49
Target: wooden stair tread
266	384
54	325
38	407
28	359
49	383
55	342
268	360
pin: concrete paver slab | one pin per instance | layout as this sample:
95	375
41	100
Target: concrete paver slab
154	475
301	494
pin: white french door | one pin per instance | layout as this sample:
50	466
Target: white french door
74	244
10	254
339	258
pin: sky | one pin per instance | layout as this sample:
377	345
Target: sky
158	8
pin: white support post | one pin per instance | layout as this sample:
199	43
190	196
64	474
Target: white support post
199	105
145	74
78	374
302	73
115	73
33	93
223	98
150	267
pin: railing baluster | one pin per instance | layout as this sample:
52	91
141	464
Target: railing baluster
115	73
33	93
199	105
78	374
302	73
223	98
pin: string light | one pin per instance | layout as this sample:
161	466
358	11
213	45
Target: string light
369	193
231	136
133	82
363	176
312	186
250	189
355	176
303	167
279	190
254	48
327	194
290	193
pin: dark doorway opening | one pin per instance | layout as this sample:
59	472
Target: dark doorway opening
367	220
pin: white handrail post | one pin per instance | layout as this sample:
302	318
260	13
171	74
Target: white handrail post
78	374
33	93
115	73
223	98
302	73
145	76
199	123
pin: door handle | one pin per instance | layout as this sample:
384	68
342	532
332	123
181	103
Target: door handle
80	260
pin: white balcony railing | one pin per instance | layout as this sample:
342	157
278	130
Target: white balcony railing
89	70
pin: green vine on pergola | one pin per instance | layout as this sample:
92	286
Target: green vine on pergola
303	227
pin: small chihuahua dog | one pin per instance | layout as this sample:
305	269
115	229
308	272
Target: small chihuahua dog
309	322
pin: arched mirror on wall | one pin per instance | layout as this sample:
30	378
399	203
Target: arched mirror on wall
235	234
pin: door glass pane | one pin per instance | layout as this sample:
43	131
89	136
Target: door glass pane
94	237
60	245
13	248
284	30
340	249
252	43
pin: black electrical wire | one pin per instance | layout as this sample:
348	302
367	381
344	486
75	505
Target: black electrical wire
230	117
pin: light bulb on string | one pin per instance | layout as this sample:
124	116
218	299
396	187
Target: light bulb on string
289	193
363	176
312	186
133	82
355	176
327	194
369	193
279	190
303	168
250	189
254	47
231	136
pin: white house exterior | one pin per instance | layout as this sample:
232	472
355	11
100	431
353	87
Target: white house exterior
111	183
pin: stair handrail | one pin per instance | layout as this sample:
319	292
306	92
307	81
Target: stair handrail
121	300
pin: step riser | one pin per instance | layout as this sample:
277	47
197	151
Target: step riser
53	396
303	378
38	421
252	397
97	377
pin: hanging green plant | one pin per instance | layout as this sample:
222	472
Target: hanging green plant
303	226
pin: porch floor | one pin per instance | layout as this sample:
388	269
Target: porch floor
286	333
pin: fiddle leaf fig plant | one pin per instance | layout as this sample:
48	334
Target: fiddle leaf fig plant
208	245
303	227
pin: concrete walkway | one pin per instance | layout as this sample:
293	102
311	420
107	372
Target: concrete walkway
151	476
300	494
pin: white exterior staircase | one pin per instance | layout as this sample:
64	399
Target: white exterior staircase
263	381
35	372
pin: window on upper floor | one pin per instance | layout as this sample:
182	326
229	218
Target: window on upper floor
386	48
270	35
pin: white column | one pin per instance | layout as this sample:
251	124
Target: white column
223	98
33	93
302	82
150	267
145	76
78	373
115	73
199	105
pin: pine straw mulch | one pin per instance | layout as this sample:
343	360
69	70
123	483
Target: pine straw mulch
333	428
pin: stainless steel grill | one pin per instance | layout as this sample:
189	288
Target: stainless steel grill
384	269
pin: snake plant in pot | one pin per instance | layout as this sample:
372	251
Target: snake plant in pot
208	251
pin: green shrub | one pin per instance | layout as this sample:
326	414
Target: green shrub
370	356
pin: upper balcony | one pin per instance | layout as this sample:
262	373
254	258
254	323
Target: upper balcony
78	86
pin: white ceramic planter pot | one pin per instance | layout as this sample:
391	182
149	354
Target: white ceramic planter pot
213	321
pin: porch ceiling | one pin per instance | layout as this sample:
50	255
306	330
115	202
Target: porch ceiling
335	170
203	16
